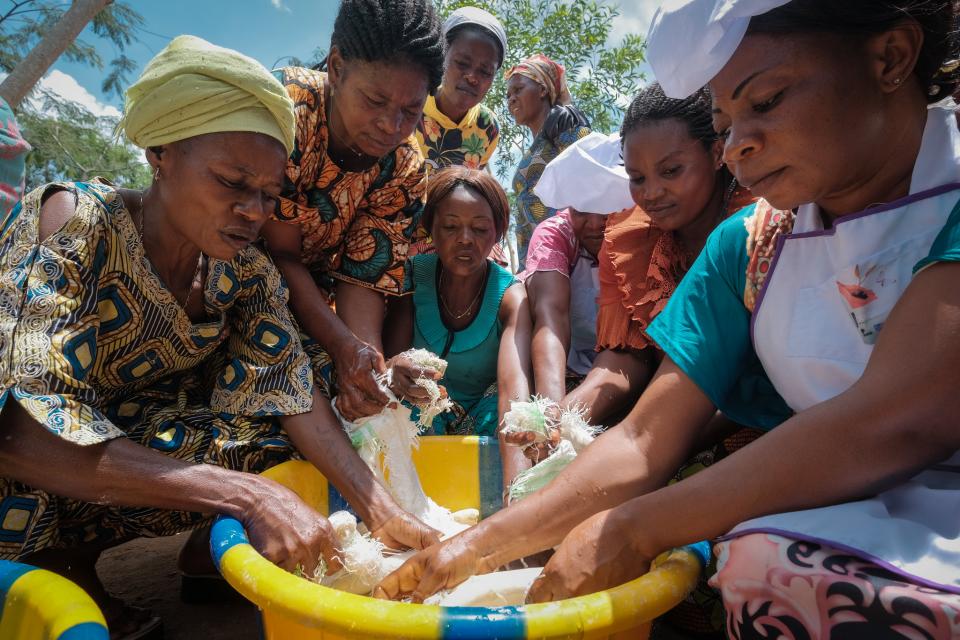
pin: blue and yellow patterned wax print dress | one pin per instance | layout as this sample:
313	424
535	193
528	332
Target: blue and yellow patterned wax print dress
564	125
471	353
94	346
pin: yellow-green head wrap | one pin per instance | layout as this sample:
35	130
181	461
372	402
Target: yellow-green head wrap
193	87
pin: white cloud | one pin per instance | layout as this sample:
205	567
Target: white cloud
66	86
635	17
280	6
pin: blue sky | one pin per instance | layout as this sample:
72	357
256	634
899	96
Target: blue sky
268	30
265	30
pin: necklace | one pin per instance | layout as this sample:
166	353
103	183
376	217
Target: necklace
470	306
196	274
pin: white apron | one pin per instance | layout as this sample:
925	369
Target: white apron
584	289
825	300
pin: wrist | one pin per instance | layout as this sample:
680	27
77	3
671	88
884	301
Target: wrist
377	509
495	544
627	519
242	493
342	343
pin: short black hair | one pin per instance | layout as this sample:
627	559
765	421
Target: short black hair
407	31
482	183
936	68
653	105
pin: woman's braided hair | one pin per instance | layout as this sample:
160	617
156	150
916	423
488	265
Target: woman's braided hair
406	31
695	111
937	67
652	105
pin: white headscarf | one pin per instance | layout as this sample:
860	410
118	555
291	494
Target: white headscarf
588	176
690	41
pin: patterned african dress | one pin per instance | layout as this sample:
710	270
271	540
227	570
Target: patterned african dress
13	148
445	143
471	353
470	142
564	125
95	347
356	225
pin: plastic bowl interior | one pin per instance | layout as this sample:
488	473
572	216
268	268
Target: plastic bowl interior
36	604
451	469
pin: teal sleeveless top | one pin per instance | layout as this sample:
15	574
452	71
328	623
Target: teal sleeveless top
471	353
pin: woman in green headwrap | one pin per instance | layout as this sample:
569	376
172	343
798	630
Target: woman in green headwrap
147	355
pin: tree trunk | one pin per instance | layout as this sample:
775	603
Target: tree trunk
26	74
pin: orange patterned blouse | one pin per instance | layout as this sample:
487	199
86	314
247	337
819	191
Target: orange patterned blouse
356	225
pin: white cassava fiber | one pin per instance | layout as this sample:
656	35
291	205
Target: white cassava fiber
500	589
530	417
575	435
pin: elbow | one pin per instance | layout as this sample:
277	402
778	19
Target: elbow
934	437
923	429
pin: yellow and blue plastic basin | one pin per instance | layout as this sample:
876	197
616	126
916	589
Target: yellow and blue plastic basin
457	473
40	605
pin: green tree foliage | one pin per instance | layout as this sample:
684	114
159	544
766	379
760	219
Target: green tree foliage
24	22
575	33
602	78
70	143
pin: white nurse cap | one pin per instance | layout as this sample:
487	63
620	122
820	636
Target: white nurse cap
588	176
690	41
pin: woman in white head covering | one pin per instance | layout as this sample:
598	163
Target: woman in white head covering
585	183
849	305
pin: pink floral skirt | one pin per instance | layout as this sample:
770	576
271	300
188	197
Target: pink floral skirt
776	587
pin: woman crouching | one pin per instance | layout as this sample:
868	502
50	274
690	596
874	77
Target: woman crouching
465	309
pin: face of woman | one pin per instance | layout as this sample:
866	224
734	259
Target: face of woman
463	231
526	99
672	175
588	228
378	103
800	117
218	189
470	66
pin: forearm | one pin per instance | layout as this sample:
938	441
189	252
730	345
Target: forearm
512	462
831	453
398	325
611	471
549	300
319	437
118	472
633	458
310	307
549	350
362	310
512	386
616	379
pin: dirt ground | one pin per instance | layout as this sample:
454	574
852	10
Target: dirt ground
144	573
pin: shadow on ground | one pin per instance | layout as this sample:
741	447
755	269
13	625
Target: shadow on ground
144	574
